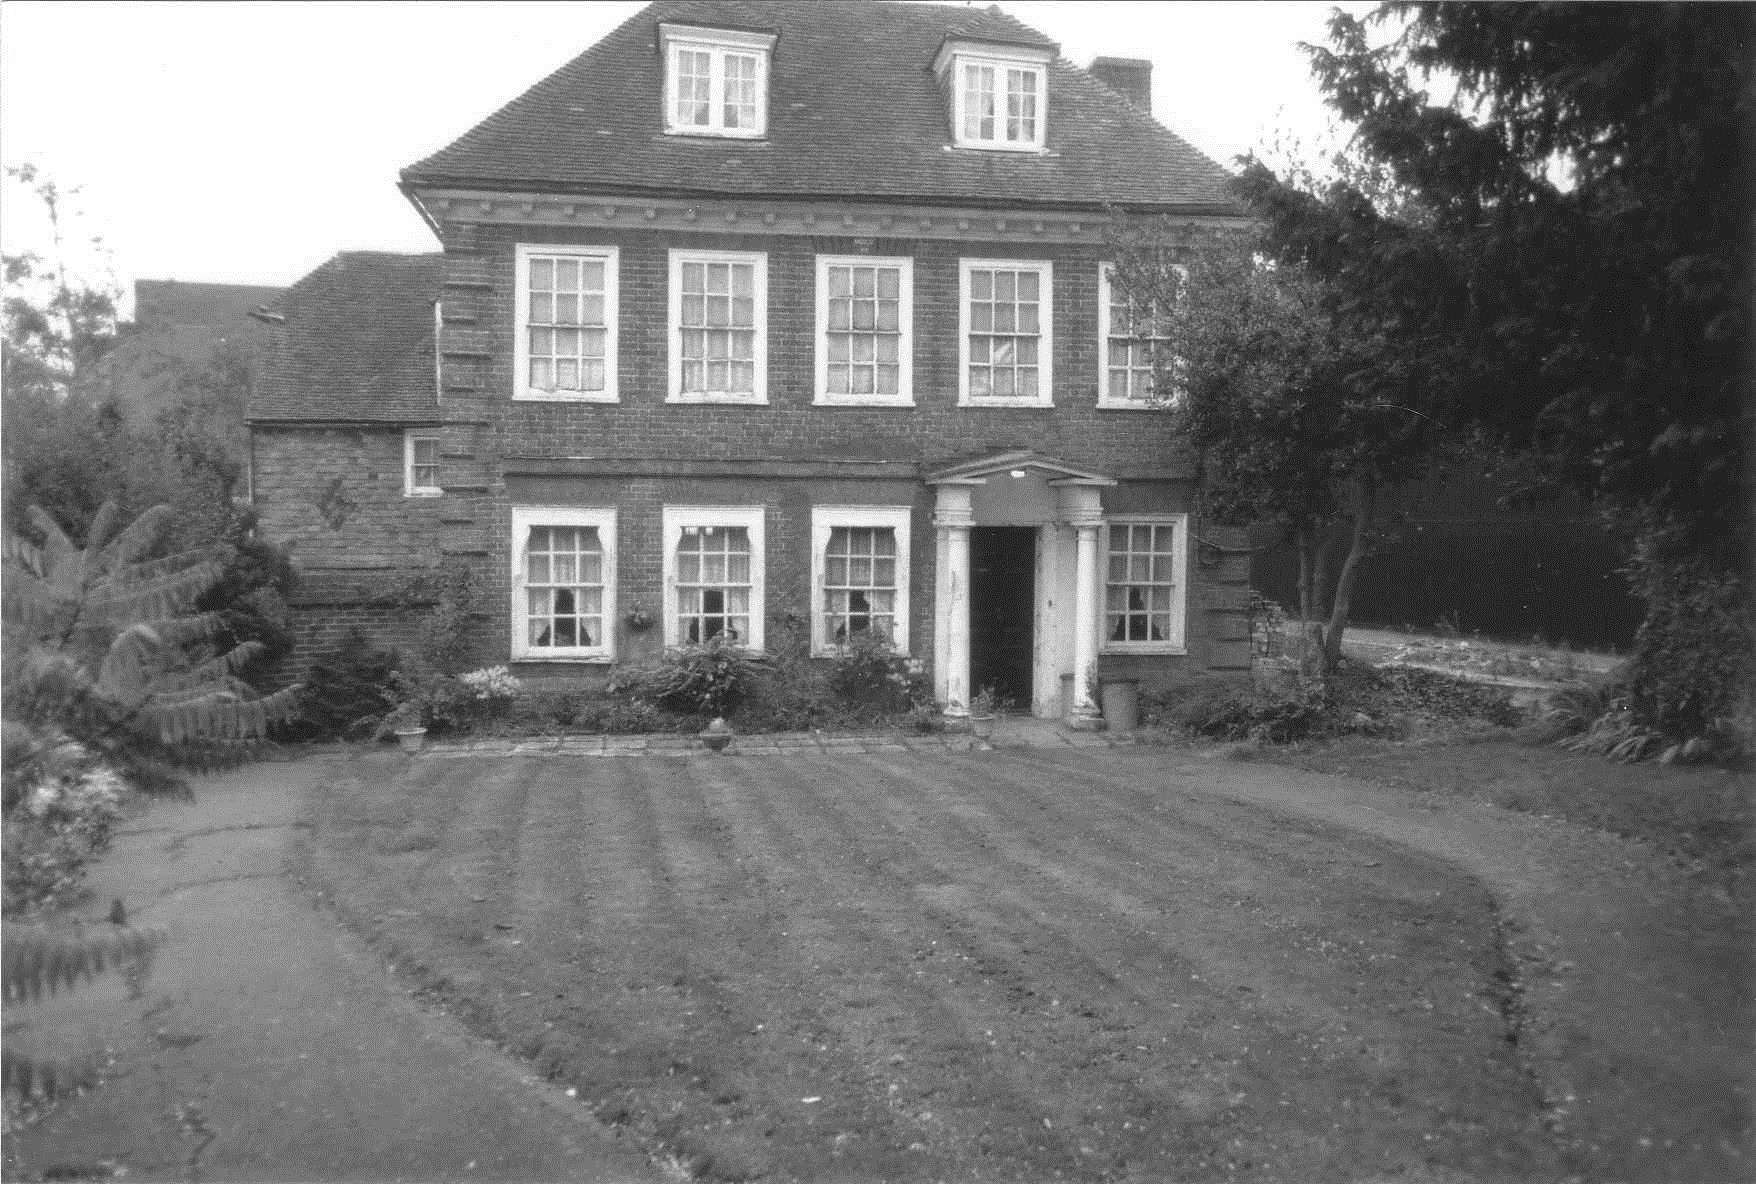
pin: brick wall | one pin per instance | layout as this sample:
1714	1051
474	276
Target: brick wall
335	494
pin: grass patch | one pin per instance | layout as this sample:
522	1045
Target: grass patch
1705	816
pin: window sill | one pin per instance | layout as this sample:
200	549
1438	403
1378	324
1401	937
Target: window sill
564	397
1156	649
705	133
423	492
994	146
1129	405
596	658
823	400
1005	402
701	397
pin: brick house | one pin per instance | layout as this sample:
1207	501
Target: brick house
757	311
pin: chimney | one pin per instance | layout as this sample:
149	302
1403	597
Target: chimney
1129	77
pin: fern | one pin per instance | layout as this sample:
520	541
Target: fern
113	655
38	962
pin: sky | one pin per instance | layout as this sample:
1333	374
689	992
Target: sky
248	142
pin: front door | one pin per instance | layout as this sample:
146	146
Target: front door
1002	610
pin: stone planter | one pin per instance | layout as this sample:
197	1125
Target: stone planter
411	739
981	726
716	735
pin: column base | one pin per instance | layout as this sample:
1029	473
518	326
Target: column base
1085	719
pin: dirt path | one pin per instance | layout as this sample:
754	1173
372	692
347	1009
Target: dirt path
1108	965
268	1045
1634	1010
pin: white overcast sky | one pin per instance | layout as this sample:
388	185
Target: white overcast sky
247	142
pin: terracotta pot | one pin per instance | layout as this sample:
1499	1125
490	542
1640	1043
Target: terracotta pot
411	739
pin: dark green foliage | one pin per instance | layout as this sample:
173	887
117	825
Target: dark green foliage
38	962
102	649
1273	717
710	679
1691	676
1580	285
1354	700
868	676
346	692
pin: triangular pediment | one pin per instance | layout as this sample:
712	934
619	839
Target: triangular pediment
1051	469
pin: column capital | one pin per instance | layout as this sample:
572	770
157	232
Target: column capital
953	506
1080	505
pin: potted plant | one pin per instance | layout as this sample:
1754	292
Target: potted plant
983	706
407	725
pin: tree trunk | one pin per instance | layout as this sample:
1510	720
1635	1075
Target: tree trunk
1365	505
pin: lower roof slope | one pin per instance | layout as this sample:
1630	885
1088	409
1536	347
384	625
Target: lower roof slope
355	344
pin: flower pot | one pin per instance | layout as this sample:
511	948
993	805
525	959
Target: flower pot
716	735
981	726
411	739
1121	702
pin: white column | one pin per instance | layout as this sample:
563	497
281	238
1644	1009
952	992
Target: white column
1081	505
952	518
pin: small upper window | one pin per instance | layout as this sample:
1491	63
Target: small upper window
999	95
420	465
716	81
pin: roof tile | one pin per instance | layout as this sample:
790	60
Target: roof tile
854	112
356	345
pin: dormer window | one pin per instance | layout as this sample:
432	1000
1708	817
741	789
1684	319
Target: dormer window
716	81
999	94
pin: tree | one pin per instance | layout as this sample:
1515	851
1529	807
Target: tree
1293	401
1581	286
102	651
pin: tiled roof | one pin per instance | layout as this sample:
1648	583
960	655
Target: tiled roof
178	304
356	344
854	112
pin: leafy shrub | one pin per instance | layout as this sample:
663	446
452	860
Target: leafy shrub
63	802
491	684
1694	667
1267	716
710	679
347	691
874	680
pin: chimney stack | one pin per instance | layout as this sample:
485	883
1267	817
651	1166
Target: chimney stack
1129	77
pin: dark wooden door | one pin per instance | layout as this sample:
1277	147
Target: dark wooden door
1002	610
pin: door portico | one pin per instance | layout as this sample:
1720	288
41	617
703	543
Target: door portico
1062	503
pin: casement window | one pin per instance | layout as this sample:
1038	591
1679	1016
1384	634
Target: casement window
865	317
859	576
420	464
1145	586
1136	348
716	81
1004	340
563	583
719	327
714	574
999	94
565	341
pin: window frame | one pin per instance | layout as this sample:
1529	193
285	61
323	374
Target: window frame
523	519
824	521
610	256
905	396
759	349
1108	399
1000	63
1045	396
1178	641
674	519
718	44
409	486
